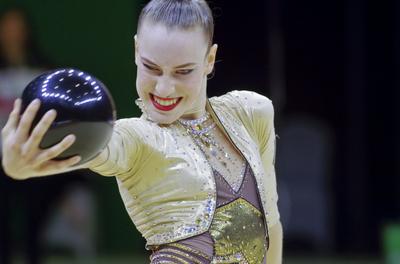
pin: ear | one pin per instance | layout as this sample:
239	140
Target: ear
136	49
212	54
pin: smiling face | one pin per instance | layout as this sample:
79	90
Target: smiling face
172	68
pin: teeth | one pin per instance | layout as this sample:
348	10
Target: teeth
165	102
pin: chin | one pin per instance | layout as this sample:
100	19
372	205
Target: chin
162	119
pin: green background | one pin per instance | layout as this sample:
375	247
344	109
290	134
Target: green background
97	37
94	36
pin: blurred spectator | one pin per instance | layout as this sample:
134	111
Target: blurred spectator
21	62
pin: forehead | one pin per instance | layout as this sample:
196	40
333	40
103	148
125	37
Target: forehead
168	46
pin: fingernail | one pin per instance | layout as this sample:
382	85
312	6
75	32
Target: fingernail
35	102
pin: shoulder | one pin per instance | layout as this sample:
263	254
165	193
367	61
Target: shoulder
135	123
133	126
125	124
251	103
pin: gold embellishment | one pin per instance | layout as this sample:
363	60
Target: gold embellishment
234	259
181	261
238	233
189	249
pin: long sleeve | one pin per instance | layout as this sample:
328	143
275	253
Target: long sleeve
259	113
263	121
123	150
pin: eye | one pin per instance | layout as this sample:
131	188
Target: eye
150	67
184	72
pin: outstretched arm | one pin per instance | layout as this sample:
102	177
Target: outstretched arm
23	158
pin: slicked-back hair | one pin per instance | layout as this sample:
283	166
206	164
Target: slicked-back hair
180	14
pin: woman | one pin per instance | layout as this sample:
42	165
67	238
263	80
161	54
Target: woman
196	175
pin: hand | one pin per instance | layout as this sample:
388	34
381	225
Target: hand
22	156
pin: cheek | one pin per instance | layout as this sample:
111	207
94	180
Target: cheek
194	83
144	83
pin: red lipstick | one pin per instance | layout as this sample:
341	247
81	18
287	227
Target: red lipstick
161	107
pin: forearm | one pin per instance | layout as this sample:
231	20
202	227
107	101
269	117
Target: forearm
274	253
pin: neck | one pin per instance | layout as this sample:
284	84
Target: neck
199	126
195	113
199	108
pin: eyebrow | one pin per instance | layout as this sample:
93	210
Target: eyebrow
179	66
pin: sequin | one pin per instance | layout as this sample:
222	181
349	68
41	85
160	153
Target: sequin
189	249
168	258
157	168
238	232
168	252
206	138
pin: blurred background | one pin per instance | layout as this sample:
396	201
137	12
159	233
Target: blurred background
332	71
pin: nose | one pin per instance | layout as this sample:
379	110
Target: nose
165	87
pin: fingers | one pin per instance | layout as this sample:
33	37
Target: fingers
55	150
13	118
54	166
38	133
26	120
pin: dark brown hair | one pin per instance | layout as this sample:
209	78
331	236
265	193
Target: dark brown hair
181	14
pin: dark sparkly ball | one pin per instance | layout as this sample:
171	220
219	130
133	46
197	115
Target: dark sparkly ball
84	108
